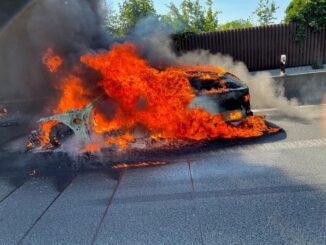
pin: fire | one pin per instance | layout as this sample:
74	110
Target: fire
215	91
121	141
73	97
92	147
52	61
138	165
157	100
74	94
45	134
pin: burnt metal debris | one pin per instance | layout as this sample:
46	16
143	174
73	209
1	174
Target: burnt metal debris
80	121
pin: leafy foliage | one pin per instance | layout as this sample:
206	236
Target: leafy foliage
110	19
191	16
130	12
311	13
265	12
211	20
177	39
236	24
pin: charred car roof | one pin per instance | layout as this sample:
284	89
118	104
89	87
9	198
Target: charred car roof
207	80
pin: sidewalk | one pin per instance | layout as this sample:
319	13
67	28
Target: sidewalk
293	70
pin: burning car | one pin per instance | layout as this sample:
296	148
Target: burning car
179	103
225	94
218	94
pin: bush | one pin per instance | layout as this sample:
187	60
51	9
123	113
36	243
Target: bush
317	65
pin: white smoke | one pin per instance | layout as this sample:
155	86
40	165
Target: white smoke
265	92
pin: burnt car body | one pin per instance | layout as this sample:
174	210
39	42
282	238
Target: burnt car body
223	94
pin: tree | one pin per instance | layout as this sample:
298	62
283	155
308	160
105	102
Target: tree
191	16
265	12
310	13
236	24
131	11
211	21
110	18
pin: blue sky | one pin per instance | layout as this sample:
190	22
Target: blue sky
231	9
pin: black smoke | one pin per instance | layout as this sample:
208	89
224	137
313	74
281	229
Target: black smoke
71	27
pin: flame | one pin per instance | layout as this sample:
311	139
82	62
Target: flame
44	134
92	148
52	61
214	90
74	94
121	141
157	100
137	165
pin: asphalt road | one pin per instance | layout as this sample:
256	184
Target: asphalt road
262	193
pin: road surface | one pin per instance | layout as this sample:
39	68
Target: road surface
262	193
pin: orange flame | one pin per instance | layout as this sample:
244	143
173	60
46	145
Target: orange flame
92	147
74	94
121	141
52	61
137	165
157	100
45	133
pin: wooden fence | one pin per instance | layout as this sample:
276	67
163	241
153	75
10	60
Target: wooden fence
260	47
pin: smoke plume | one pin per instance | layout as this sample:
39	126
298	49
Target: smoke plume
73	28
265	92
70	27
154	38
